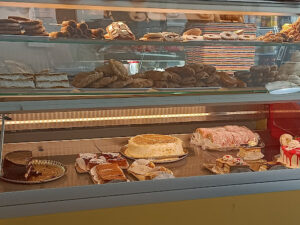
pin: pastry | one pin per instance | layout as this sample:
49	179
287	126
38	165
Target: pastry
71	23
194	31
96	33
120	83
250	153
152	37
16	81
115	157
103	82
198	67
83	159
232	18
104	173
224	137
213	37
289	151
229	164
96	161
16	165
154	145
184	71
119	30
146	170
84	79
209	69
118	69
141	83
227	80
245	37
161	84
157	75
201	75
174	77
105	69
226	35
188	81
171	36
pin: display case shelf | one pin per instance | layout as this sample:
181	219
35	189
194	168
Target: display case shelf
47	40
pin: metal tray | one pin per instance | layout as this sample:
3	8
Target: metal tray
157	160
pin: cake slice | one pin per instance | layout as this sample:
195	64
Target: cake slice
82	161
16	81
96	161
228	163
51	80
104	173
115	157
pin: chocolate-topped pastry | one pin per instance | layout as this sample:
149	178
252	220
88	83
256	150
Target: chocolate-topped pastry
18	18
17	164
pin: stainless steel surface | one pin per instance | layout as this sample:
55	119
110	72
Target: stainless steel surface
106	103
253	6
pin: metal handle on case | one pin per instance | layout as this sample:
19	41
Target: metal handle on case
3	118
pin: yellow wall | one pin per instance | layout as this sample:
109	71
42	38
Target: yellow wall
259	209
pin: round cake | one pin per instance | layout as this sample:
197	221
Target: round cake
154	145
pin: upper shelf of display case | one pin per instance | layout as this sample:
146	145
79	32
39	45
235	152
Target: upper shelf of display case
254	7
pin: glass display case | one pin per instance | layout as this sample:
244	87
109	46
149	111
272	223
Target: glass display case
117	103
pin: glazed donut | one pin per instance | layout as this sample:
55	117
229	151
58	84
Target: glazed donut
211	37
285	139
226	35
245	37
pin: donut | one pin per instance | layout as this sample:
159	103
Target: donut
226	35
192	38
211	37
245	37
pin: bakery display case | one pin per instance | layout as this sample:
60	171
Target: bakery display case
122	103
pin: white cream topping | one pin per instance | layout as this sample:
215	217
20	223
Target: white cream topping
81	164
61	77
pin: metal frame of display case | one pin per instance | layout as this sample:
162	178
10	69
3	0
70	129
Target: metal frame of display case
58	200
229	6
54	200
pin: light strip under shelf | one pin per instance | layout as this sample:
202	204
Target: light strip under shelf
67	120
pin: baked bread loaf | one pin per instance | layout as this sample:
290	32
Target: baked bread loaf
154	145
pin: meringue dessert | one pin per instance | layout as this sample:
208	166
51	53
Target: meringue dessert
154	145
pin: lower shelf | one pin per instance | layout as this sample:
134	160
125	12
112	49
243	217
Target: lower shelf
66	151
